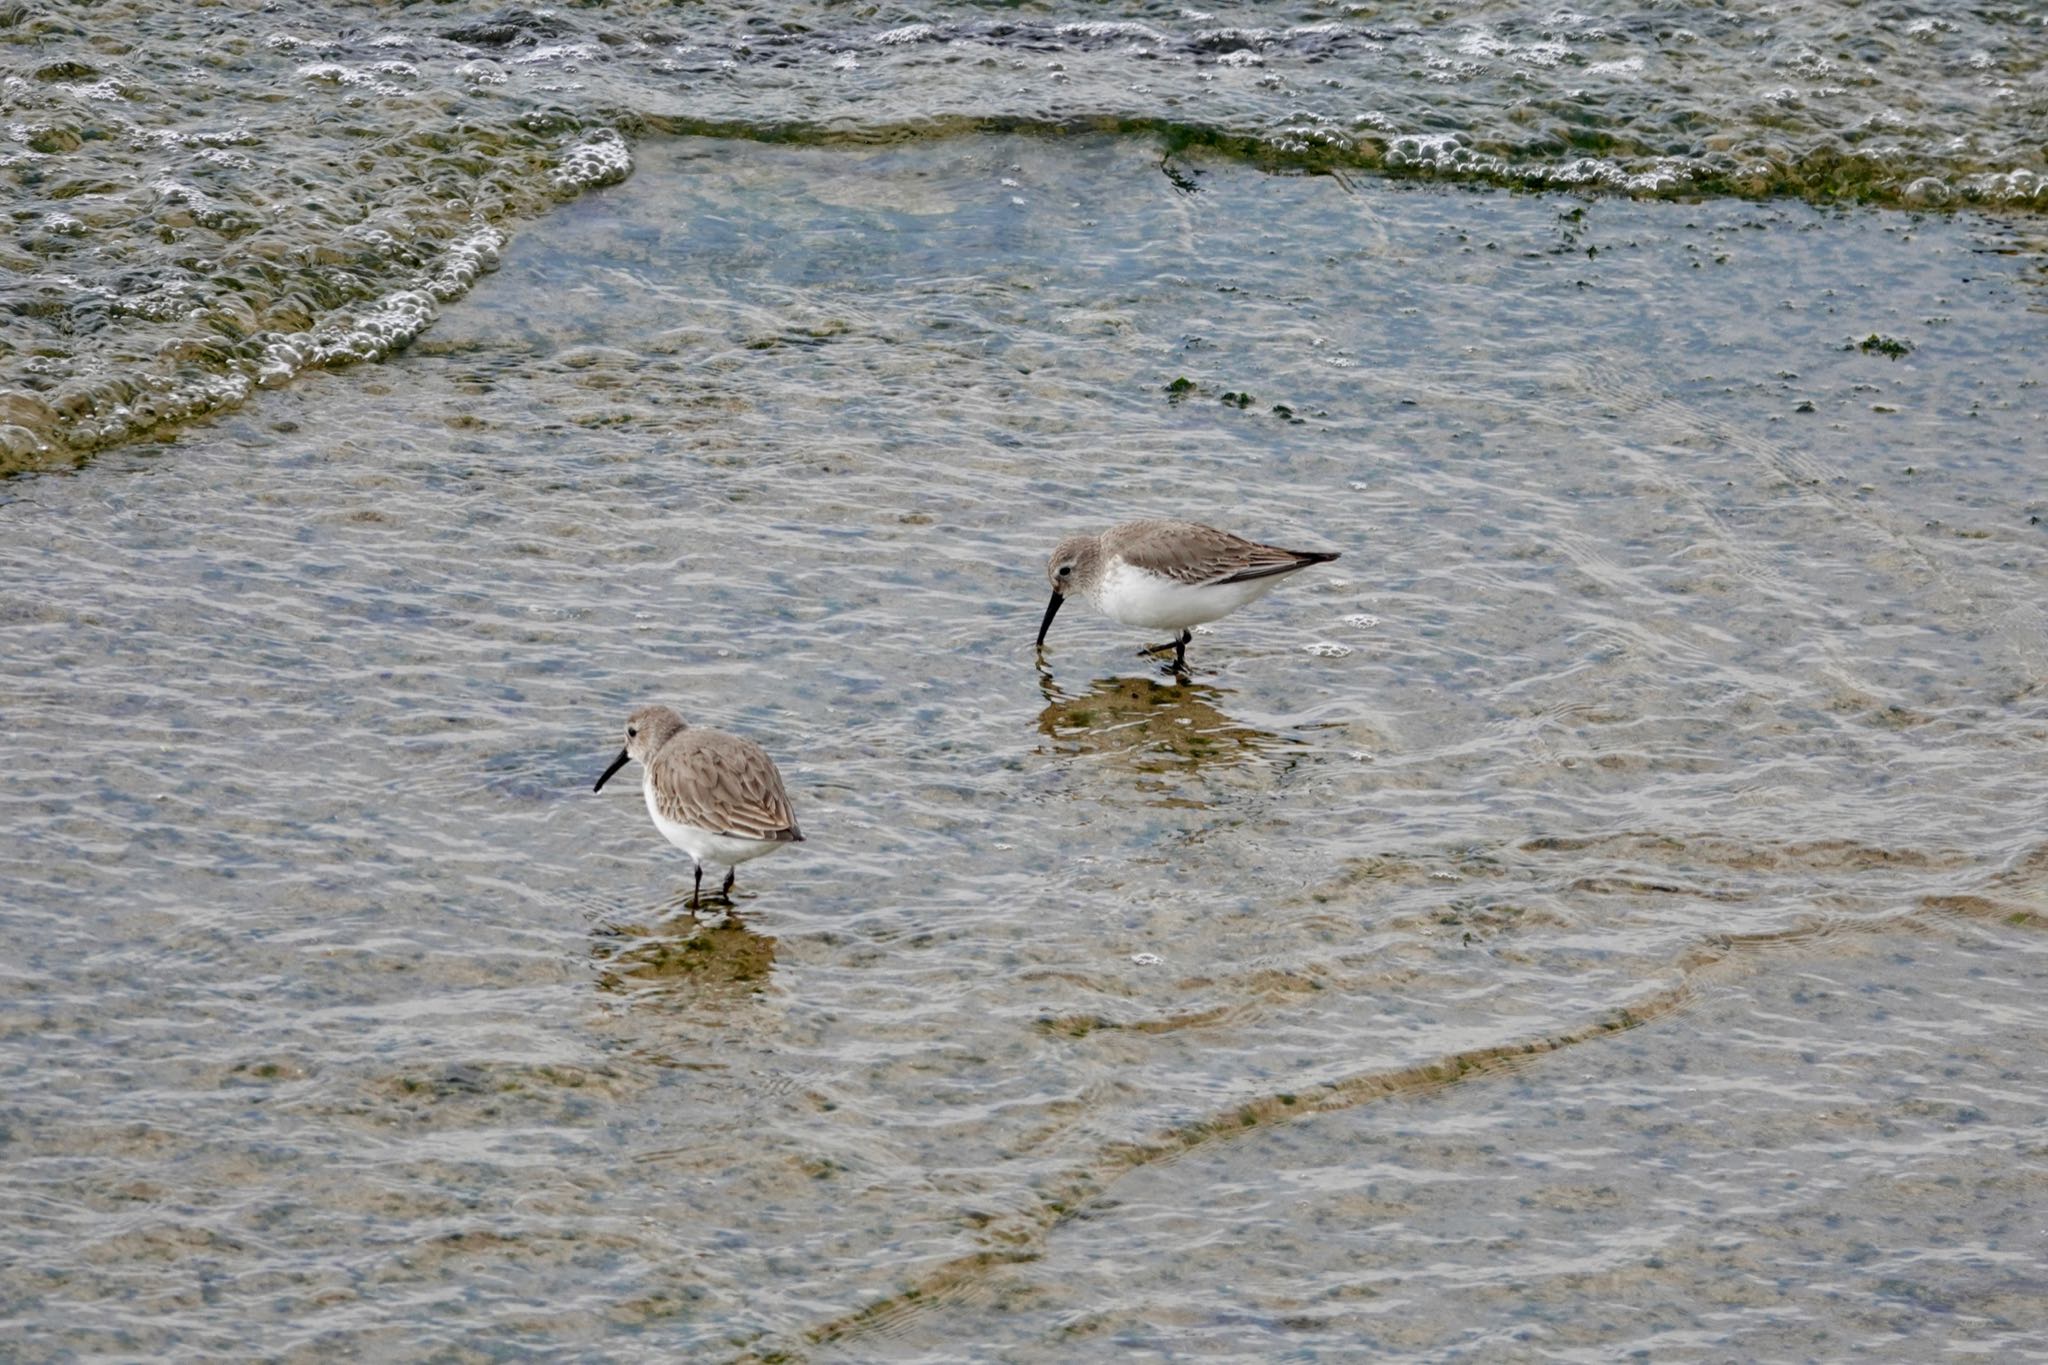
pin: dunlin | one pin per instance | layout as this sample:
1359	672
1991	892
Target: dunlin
1167	575
715	796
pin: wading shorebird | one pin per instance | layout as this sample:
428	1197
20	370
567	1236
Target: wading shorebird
1167	575
715	796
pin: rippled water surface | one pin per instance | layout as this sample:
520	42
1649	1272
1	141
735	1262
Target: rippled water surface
209	200
1601	912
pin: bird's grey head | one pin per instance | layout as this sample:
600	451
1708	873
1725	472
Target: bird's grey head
1073	564
647	729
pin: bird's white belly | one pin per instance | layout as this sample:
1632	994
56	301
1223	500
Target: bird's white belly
1138	598
704	845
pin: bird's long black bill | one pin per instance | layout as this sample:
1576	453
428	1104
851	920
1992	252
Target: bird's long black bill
617	764
1052	609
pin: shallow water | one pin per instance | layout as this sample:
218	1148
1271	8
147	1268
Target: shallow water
207	202
1602	912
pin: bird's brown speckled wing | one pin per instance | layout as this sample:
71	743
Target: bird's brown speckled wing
1191	553
722	783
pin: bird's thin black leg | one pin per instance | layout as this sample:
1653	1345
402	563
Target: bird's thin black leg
727	892
1180	651
697	892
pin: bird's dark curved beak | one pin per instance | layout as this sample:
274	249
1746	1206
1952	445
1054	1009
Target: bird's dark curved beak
1052	609
617	764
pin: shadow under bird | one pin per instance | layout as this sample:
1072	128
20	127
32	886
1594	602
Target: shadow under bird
1167	575
715	796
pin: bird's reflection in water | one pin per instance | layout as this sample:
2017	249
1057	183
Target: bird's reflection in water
681	959
1155	727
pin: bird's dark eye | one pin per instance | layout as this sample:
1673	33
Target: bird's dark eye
1066	569
630	732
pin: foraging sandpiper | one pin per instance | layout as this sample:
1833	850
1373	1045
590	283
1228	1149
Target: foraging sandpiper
1169	575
